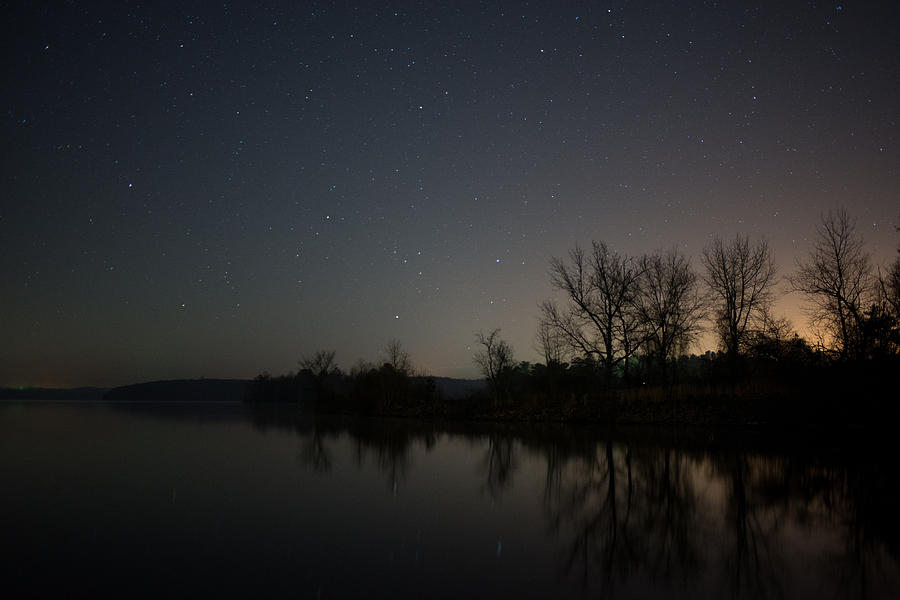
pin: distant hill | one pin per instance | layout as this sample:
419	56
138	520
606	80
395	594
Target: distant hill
234	389
181	390
30	393
194	390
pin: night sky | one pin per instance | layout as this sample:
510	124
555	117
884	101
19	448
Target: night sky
208	189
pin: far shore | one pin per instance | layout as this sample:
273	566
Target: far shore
759	405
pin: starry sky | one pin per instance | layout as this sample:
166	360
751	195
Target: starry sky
216	189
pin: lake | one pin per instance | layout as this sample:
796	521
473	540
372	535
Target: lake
237	500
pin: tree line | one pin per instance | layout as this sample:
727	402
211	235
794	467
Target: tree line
625	322
629	319
391	386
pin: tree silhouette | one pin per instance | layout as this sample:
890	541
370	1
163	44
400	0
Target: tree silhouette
740	276
597	320
393	376
889	287
669	305
836	279
398	357
319	369
889	291
495	360
320	364
551	343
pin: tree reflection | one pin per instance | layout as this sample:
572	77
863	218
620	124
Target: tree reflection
313	452
386	444
624	516
867	562
637	512
592	507
669	516
498	465
391	456
752	567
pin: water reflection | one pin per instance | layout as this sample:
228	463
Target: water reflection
623	512
686	515
498	465
267	501
313	452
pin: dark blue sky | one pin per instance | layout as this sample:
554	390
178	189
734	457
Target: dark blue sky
199	189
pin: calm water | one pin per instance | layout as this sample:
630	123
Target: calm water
228	500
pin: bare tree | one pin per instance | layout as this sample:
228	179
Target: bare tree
551	343
837	281
320	364
881	326
597	320
889	286
775	339
740	276
495	360
361	367
393	378
398	357
670	305
321	370
496	357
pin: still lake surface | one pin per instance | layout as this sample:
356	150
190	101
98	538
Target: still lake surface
236	500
